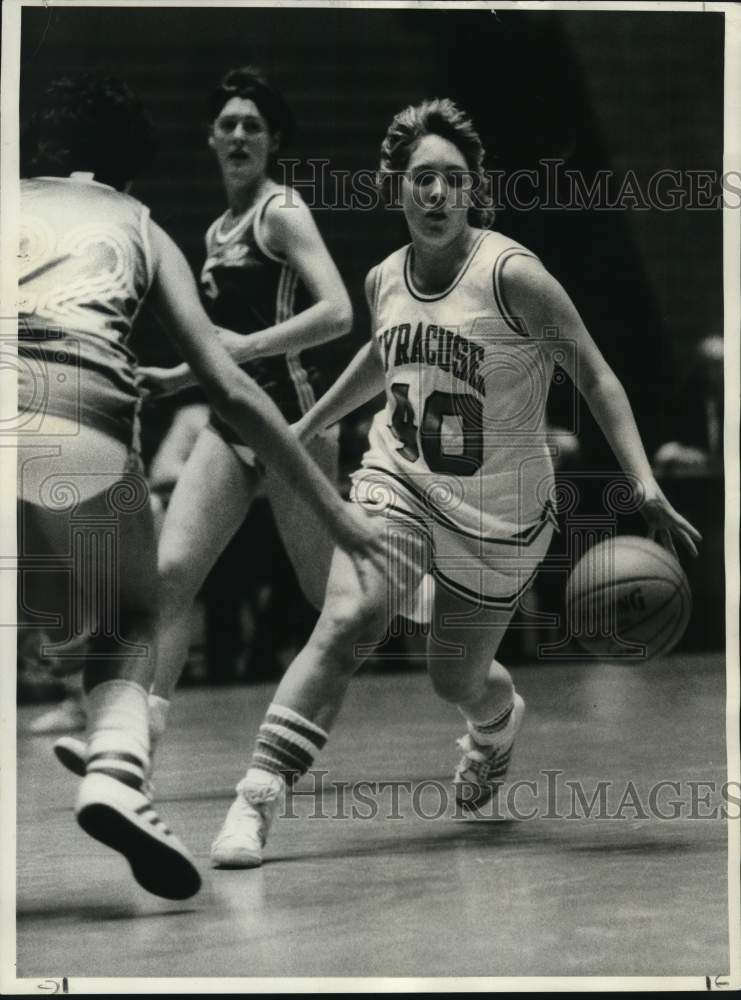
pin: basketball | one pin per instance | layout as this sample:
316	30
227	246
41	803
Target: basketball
628	598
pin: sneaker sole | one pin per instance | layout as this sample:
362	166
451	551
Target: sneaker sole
70	757
158	867
245	860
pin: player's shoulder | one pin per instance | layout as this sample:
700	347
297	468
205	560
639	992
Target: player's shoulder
495	245
80	201
282	218
510	262
283	205
520	273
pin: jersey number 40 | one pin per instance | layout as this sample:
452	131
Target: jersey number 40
463	409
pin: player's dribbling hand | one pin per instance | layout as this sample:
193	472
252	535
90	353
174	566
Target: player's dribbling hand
664	522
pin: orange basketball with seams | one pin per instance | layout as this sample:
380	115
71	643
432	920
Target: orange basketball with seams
628	598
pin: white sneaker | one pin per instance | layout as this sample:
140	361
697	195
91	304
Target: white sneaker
241	839
66	717
72	754
482	768
124	819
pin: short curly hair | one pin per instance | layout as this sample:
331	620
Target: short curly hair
89	123
442	117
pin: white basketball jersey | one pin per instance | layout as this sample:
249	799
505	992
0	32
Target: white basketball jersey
84	267
463	429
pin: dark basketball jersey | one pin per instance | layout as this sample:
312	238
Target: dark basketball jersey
246	287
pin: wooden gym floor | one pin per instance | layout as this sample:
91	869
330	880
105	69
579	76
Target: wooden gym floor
411	896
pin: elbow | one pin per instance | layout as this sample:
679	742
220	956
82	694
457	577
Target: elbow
341	316
601	385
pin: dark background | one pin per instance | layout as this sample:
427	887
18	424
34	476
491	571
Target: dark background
602	90
613	91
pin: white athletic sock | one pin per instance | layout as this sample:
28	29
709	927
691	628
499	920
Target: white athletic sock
257	777
499	731
119	731
159	709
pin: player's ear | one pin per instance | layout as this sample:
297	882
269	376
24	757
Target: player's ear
211	140
275	142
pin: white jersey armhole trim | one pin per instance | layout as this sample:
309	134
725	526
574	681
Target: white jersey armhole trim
259	220
514	322
144	223
377	290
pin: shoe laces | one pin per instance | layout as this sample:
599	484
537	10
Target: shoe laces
245	821
477	759
255	795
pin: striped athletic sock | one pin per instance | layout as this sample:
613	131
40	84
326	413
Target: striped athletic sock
498	731
119	732
286	743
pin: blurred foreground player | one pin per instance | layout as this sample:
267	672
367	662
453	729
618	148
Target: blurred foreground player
458	469
89	254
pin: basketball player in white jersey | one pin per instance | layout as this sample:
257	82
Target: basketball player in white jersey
457	467
89	255
269	277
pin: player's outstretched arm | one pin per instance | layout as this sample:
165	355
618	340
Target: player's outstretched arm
241	402
535	295
360	381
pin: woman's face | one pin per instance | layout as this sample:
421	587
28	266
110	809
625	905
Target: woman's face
242	141
436	191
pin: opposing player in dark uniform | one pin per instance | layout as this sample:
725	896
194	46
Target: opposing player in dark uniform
89	255
269	276
457	469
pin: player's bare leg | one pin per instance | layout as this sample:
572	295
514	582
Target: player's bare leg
111	804
214	480
307	541
309	697
479	686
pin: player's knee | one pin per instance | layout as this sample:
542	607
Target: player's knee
347	621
